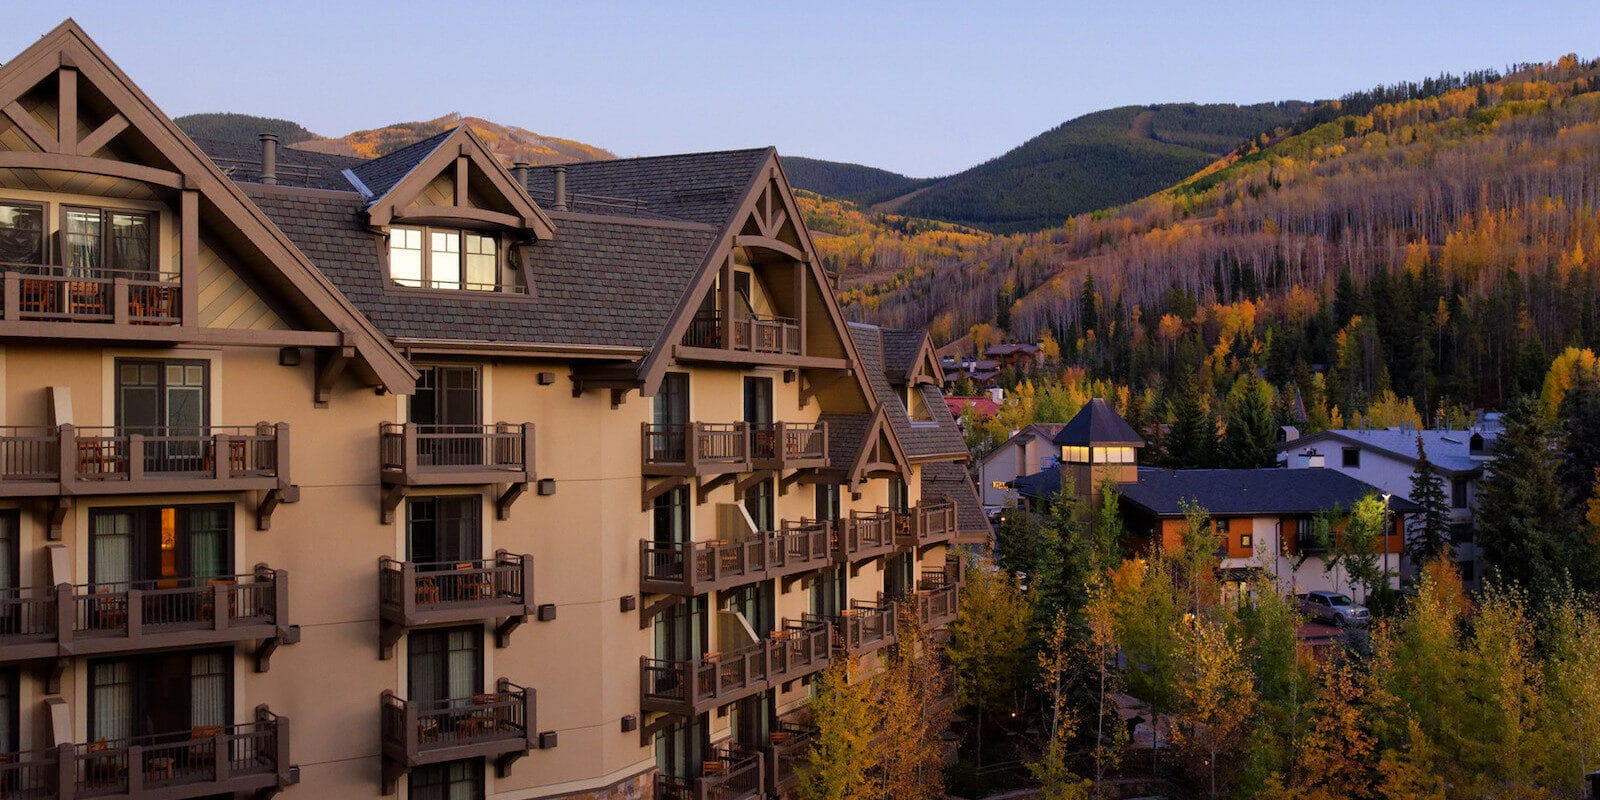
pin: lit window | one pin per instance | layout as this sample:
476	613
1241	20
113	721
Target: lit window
1075	454
451	259
1246	541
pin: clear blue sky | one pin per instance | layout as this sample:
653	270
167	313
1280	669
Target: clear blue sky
922	88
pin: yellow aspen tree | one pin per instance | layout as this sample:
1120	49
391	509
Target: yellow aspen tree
1217	699
1056	779
844	756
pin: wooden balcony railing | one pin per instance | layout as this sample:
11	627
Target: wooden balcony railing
788	750
930	522
802	647
863	627
696	448
92	619
789	445
799	547
412	594
731	772
689	687
203	761
437	455
934	603
754	333
499	725
67	460
955	567
70	294
863	535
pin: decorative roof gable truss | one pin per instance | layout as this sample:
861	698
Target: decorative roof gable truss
475	176
105	126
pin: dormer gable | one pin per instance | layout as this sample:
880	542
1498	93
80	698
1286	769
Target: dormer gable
448	179
142	238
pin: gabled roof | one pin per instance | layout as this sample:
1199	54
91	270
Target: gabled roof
1448	450
1045	431
696	187
950	480
1097	423
223	207
1162	492
983	406
938	439
402	175
853	445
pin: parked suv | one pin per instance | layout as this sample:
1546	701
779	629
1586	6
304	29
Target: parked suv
1334	607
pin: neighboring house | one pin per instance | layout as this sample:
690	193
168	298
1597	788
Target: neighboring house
1028	451
583	433
1260	515
1387	457
985	406
1020	356
984	373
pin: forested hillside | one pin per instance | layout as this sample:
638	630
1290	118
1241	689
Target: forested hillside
853	182
241	128
1441	246
1093	162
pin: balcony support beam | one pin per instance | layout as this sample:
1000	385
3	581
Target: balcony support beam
704	487
393	494
749	481
331	363
648	613
660	487
504	499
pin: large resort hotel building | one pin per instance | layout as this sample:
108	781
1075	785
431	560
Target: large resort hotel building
423	477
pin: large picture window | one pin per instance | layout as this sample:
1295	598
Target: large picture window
22	234
160	544
444	258
97	240
159	693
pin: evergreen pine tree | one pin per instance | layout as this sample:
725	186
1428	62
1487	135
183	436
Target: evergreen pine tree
1429	530
1579	420
1529	534
1250	436
1192	440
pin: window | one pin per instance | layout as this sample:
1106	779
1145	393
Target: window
1458	493
828	595
1075	454
21	233
899	574
1462	533
159	693
827	501
444	664
1221	525
1352	458
444	258
163	396
1113	455
899	495
670	516
97	239
758	501
758	401
754	603
681	747
443	531
451	780
161	544
10	554
1246	541
8	710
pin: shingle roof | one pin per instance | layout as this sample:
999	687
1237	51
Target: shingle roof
1250	491
242	163
1098	423
698	187
940	436
382	173
900	349
951	480
601	281
846	434
1448	450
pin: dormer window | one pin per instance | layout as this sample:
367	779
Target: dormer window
444	258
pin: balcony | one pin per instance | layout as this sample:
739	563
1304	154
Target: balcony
35	293
696	448
788	750
863	627
95	619
731	772
928	524
414	594
204	761
65	460
690	687
688	569
864	535
934	603
800	648
751	333
789	445
497	725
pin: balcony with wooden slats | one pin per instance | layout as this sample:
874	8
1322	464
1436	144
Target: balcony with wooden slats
864	535
44	293
416	594
694	686
456	455
106	618
695	448
863	627
497	725
730	772
203	761
788	750
789	445
66	460
929	523
687	569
